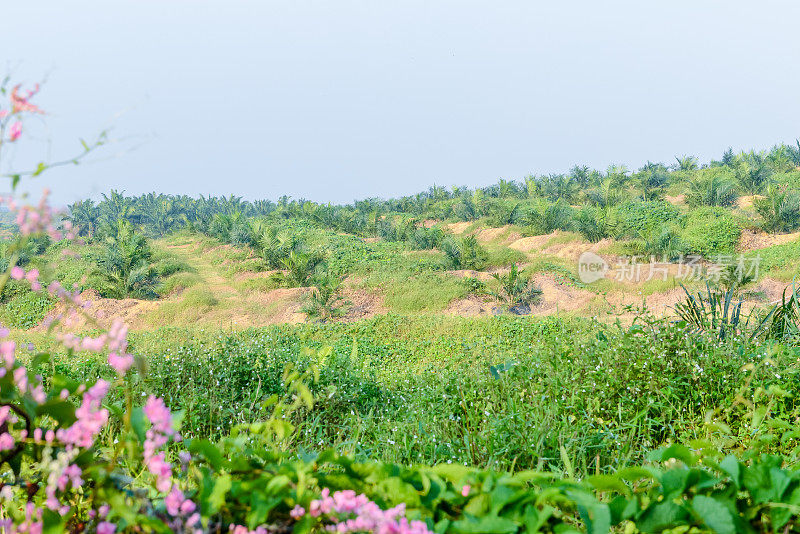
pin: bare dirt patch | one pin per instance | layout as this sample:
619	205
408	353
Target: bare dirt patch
757	240
573	250
104	310
362	304
559	296
530	244
500	235
459	227
250	275
772	289
745	202
470	307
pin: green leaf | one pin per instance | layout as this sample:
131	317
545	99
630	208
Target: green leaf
485	525
213	493
679	452
207	450
714	514
61	411
139	423
661	516
730	465
54	523
39	169
674	482
608	483
634	474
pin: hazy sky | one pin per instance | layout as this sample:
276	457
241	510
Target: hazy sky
336	100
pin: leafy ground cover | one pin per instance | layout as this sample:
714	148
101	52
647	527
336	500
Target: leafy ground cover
502	392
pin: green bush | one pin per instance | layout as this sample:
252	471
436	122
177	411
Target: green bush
595	223
473	286
464	253
547	218
637	218
661	242
779	209
714	189
28	309
710	232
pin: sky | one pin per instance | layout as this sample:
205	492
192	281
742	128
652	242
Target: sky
340	100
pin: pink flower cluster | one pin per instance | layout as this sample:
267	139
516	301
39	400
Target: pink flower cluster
116	339
368	516
91	418
39	219
21	103
15	131
20	374
33	523
156	437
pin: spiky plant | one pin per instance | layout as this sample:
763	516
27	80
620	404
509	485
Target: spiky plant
515	292
594	223
779	209
300	268
714	312
325	302
464	253
124	268
713	190
752	175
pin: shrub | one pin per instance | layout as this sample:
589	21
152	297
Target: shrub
515	292
124	268
714	312
324	301
637	218
662	242
715	189
300	268
595	223
473	286
710	232
27	310
779	209
501	212
752	176
464	253
548	218
426	238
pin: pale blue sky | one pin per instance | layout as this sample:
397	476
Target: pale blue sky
336	100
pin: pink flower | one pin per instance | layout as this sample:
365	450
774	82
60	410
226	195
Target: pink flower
21	103
297	512
104	527
173	501
121	363
15	131
7	349
6	441
17	272
465	491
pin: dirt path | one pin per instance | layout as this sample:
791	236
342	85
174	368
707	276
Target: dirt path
194	255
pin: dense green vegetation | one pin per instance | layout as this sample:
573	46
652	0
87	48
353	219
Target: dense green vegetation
502	392
503	423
